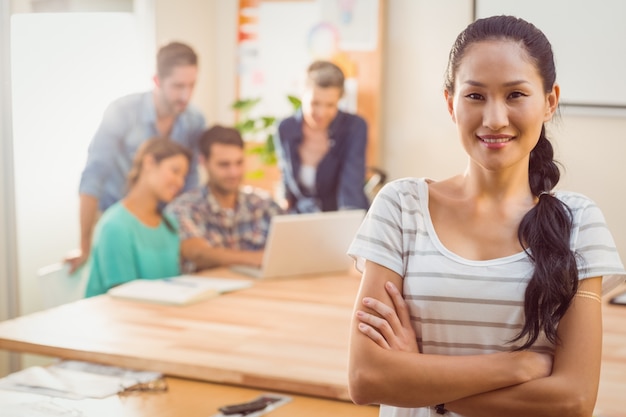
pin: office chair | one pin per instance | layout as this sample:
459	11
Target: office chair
375	178
58	286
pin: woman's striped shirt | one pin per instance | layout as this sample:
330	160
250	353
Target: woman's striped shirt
461	306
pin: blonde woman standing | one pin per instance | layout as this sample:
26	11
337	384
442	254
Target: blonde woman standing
321	149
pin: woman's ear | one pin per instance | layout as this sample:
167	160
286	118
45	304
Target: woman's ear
149	162
552	102
450	102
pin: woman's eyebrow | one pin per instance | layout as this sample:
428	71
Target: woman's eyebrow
506	84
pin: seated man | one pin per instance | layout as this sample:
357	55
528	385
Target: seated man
223	223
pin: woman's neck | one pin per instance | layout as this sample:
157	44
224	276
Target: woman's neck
314	146
144	205
505	184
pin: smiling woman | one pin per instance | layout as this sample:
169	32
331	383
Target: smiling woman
482	291
499	97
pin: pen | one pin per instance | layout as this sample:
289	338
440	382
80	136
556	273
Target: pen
177	282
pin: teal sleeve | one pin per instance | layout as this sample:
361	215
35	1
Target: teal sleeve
113	260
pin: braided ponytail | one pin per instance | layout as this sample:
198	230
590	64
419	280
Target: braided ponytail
544	232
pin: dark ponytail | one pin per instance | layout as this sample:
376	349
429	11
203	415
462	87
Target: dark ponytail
544	232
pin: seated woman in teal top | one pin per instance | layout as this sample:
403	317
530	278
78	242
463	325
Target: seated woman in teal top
133	238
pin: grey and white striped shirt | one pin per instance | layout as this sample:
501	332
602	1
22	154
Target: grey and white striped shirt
460	306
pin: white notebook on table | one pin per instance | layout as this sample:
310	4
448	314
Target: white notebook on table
180	290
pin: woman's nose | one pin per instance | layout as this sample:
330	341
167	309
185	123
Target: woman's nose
495	115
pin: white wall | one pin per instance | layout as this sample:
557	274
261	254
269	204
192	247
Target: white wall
49	87
593	151
418	137
8	256
210	26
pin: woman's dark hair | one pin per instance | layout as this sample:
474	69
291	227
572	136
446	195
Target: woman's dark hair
545	230
160	149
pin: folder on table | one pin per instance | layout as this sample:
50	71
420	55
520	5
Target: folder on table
180	290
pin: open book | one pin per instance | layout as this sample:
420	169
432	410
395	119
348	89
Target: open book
180	290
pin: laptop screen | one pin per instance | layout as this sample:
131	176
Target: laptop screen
311	243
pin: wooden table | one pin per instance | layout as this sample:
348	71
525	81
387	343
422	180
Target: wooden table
287	335
189	398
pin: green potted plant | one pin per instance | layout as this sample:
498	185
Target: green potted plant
259	131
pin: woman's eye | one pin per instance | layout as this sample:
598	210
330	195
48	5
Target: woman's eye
517	94
474	96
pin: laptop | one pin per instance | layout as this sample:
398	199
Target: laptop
308	243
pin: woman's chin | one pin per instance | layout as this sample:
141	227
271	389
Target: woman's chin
166	199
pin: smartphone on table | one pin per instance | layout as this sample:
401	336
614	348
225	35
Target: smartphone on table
257	407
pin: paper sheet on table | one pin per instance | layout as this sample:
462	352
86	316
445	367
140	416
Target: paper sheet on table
75	380
39	408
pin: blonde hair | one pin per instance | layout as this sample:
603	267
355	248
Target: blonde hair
325	74
159	148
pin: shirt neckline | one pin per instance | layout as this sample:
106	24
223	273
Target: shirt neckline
434	237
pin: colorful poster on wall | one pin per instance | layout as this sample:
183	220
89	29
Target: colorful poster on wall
356	22
278	40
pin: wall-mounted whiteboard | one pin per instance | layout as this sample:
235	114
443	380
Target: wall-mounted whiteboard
589	43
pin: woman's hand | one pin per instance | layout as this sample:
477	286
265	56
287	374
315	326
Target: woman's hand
384	355
390	328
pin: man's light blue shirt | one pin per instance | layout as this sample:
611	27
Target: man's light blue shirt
127	123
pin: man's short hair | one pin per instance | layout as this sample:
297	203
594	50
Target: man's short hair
219	134
174	54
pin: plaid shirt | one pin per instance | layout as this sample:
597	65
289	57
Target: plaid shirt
244	228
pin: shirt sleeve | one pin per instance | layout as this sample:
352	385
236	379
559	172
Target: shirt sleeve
283	156
352	177
380	236
196	129
594	244
182	209
273	208
102	150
